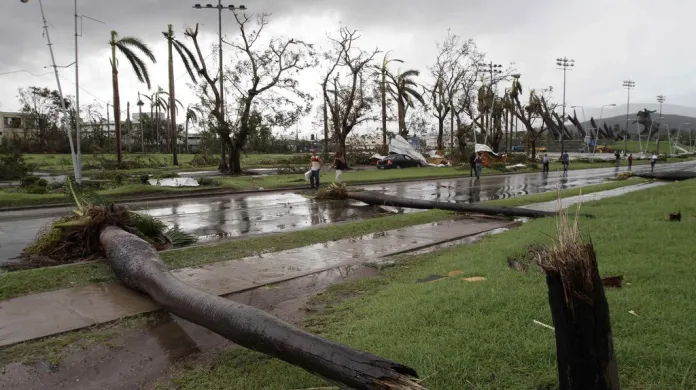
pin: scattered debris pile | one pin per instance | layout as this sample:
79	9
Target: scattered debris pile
76	237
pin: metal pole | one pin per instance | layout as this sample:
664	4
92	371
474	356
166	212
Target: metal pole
140	122
76	170
78	136
222	88
628	105
660	99
108	130
564	104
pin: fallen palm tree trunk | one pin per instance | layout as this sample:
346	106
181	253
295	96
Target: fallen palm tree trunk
376	199
669	176
580	312
139	266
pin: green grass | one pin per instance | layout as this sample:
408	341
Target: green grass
462	335
634	147
61	163
52	278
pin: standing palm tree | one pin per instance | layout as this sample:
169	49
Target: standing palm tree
384	70
186	57
172	134
193	114
402	88
128	47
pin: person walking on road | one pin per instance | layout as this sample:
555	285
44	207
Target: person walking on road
653	161
545	164
617	155
339	164
315	168
565	159
630	161
472	164
479	164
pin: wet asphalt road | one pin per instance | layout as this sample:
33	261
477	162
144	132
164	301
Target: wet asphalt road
216	218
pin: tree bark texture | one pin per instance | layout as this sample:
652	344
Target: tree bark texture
139	266
580	312
376	199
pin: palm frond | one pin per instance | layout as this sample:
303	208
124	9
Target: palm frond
409	73
186	57
138	65
139	45
412	92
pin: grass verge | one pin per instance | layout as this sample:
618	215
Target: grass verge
481	335
44	279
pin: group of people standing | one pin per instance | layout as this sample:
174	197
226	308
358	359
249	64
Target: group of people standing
315	164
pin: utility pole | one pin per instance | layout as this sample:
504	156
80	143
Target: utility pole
564	64
492	69
660	99
130	127
76	168
629	84
140	121
219	8
108	130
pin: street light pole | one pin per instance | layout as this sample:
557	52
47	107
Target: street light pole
492	69
140	122
76	169
221	76
660	99
629	84
564	64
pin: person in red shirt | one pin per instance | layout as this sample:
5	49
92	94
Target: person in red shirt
315	168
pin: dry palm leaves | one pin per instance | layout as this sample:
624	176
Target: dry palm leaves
75	238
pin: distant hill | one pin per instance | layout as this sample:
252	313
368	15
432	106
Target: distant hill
673	121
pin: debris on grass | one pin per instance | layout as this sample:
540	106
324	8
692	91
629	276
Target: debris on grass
675	217
76	237
474	279
612	281
543	324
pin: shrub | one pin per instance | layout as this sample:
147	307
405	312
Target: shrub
208	182
28	181
204	160
533	166
165	175
13	166
500	167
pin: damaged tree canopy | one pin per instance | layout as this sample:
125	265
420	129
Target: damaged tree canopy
76	237
139	266
376	199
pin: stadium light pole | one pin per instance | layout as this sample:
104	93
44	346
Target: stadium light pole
628	85
565	64
660	99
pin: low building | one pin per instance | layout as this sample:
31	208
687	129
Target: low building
14	123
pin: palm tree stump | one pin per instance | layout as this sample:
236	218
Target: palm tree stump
584	344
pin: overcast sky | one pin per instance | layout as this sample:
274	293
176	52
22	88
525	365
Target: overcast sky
610	40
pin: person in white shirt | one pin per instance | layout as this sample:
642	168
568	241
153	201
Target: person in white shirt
315	168
653	161
545	164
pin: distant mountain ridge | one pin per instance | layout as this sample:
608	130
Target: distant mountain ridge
673	121
620	110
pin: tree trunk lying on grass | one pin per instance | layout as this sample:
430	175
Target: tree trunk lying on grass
376	199
139	266
580	312
669	176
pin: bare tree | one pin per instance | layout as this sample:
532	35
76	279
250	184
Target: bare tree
451	66
353	98
528	114
260	70
333	60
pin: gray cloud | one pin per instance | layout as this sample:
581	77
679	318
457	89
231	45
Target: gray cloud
611	41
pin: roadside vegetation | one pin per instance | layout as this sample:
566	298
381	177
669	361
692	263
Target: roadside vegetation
461	334
24	282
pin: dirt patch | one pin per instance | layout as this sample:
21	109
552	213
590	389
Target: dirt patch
142	357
